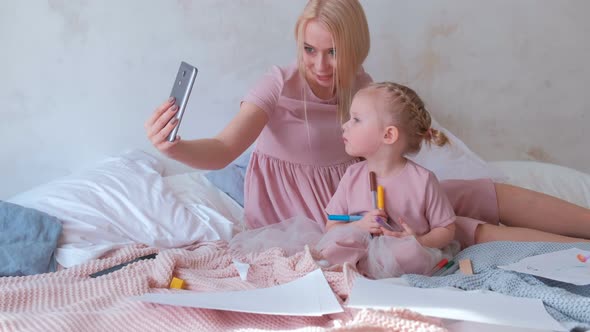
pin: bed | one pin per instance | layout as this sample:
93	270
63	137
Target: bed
123	208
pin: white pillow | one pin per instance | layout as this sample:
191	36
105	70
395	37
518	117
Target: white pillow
454	160
124	200
203	198
559	181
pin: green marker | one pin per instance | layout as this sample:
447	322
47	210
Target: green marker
444	268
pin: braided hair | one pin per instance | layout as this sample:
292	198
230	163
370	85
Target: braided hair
409	115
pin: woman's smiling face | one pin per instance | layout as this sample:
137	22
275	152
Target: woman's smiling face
319	57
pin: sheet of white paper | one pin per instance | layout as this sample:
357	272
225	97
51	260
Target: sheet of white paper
310	295
559	265
490	308
242	269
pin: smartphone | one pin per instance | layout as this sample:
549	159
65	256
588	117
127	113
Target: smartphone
181	90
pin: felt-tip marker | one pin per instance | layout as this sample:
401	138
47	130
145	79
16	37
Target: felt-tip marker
380	198
373	188
438	266
344	217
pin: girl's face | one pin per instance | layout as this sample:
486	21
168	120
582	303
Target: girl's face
319	58
362	134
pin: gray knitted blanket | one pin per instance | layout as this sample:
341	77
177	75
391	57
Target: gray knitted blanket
569	304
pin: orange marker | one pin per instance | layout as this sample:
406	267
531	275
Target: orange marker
380	198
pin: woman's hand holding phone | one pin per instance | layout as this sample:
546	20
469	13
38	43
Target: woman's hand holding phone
159	126
162	126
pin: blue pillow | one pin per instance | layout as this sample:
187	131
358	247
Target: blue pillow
231	178
28	239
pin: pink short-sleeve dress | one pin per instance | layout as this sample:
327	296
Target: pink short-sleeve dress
299	157
414	195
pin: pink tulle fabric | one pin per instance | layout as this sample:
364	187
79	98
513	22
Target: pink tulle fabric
291	236
375	257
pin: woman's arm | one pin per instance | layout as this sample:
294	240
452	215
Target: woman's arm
208	153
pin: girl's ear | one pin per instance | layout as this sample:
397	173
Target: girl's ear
391	135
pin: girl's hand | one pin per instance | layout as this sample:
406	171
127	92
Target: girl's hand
369	222
408	231
159	126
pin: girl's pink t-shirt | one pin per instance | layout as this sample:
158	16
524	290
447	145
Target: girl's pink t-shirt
413	194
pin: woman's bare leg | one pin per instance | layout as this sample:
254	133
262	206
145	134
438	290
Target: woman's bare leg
520	207
489	232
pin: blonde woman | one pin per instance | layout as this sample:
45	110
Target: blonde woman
295	112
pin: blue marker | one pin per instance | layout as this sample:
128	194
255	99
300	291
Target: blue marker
344	217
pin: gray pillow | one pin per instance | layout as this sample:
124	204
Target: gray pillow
230	179
28	239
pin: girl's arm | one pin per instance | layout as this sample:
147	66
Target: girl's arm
439	212
367	223
438	237
208	153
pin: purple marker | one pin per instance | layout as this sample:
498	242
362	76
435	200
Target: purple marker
383	223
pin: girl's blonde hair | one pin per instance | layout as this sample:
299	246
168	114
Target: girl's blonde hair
346	21
409	115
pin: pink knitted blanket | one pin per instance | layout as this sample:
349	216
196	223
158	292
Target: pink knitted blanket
69	300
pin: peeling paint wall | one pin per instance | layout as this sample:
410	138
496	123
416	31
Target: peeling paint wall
80	78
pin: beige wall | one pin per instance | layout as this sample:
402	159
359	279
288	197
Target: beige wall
511	78
80	78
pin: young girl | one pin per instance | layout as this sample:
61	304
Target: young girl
295	113
387	122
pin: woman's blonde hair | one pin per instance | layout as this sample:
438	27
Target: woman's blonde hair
346	21
409	115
